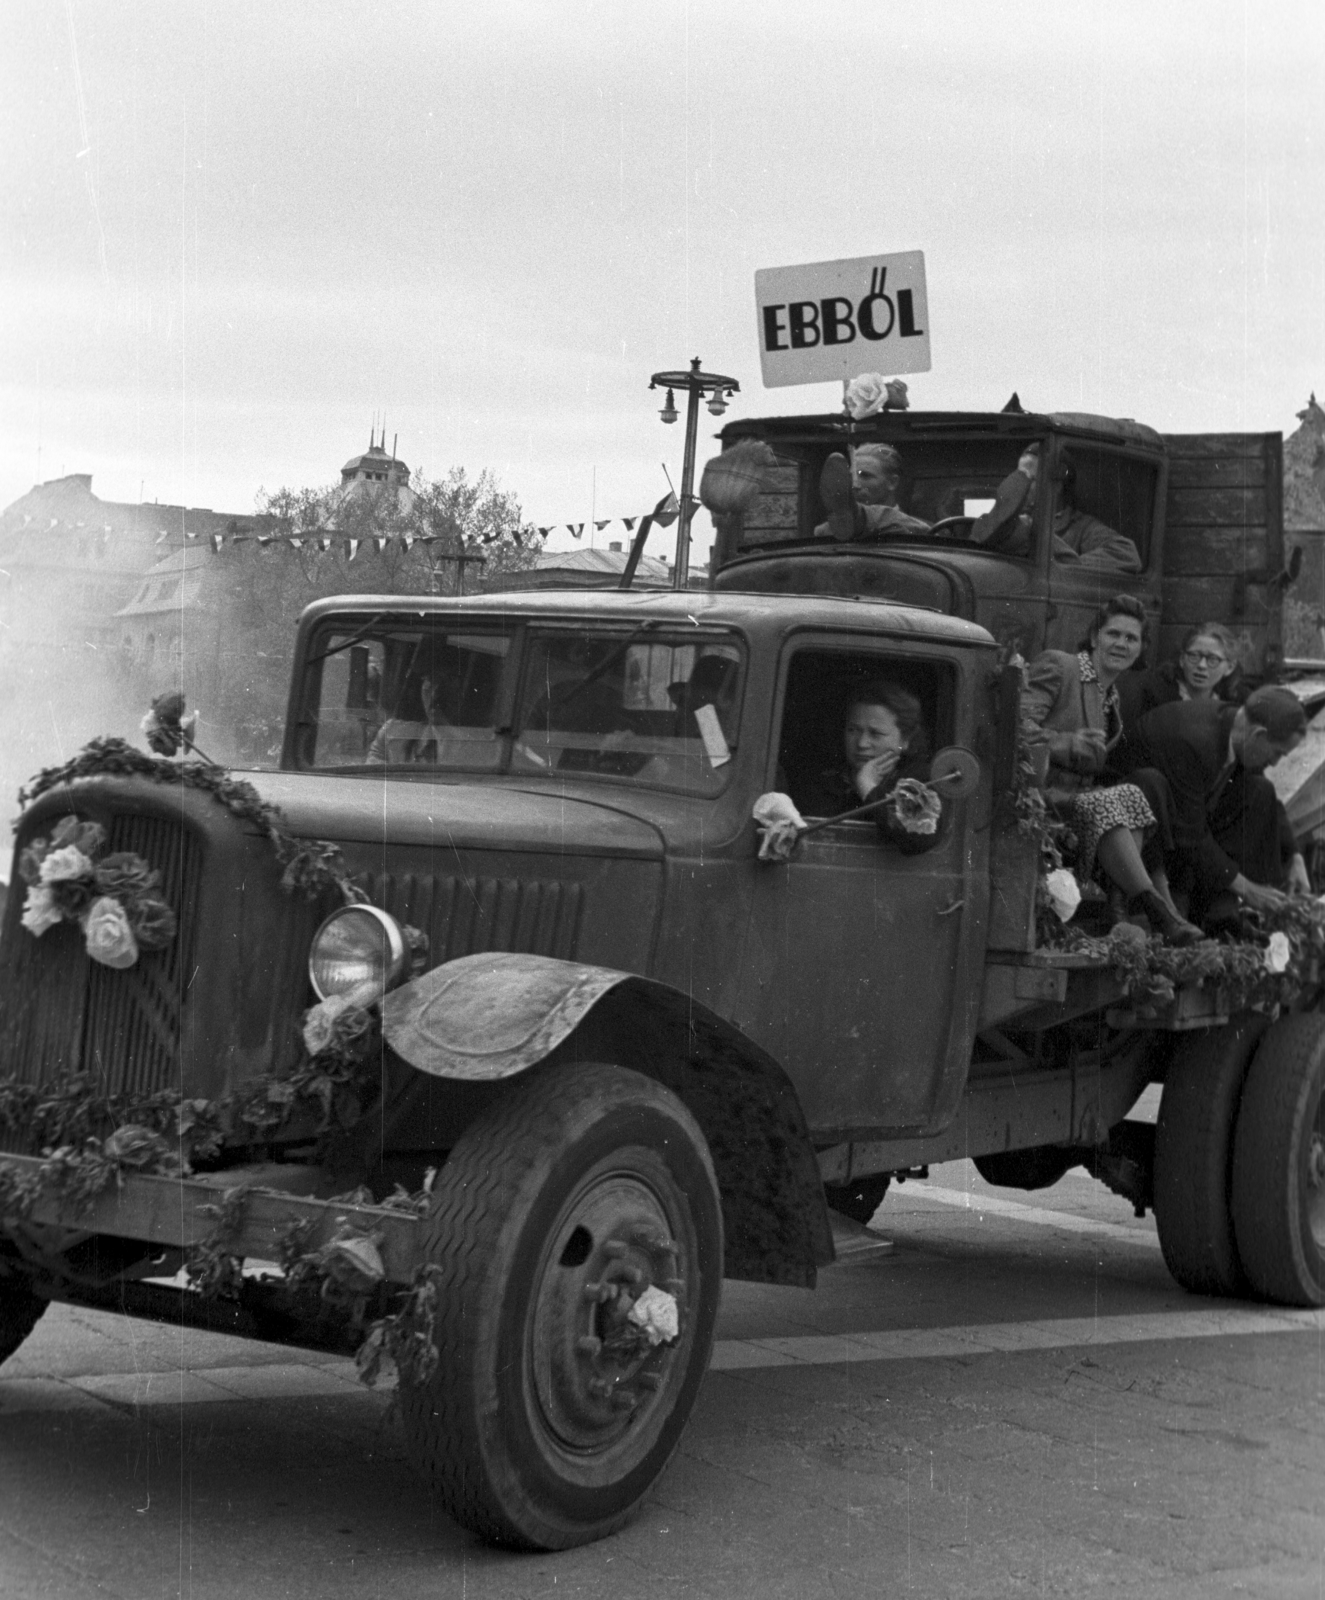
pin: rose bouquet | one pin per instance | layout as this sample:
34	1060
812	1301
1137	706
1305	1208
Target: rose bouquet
915	807
872	393
166	727
115	899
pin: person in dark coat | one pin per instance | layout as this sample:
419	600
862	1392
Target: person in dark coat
886	753
1231	846
1203	669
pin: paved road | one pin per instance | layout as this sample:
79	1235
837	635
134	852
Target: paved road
1015	1400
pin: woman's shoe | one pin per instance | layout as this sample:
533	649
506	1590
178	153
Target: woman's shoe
1165	920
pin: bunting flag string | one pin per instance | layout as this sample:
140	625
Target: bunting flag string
662	515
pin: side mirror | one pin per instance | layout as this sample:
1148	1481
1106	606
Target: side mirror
954	772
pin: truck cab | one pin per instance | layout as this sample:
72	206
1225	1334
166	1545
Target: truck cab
1201	511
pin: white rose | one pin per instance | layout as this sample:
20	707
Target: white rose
656	1312
1279	953
320	1020
866	394
1064	893
61	866
40	910
109	937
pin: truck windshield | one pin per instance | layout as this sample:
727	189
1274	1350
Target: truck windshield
649	705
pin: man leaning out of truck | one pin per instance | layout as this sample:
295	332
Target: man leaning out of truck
861	500
1231	845
1078	537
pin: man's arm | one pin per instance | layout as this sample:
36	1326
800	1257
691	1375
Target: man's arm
1189	780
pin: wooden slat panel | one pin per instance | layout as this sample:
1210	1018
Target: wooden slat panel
1203	472
1214	551
1217	507
1204	598
1217	444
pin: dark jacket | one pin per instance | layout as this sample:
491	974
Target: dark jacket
1062	697
1188	741
834	792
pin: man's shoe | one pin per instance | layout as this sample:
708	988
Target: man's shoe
845	520
1165	920
996	526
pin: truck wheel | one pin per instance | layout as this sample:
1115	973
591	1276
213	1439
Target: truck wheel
1279	1164
550	1414
860	1199
20	1311
1194	1155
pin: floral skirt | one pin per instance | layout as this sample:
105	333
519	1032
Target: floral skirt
1095	812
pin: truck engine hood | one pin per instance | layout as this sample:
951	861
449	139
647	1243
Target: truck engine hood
475	816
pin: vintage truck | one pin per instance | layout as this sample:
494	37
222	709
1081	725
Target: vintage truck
638	1059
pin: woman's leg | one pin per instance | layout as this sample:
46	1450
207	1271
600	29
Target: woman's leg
1119	853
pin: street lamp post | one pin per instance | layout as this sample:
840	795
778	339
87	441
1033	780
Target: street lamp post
697	384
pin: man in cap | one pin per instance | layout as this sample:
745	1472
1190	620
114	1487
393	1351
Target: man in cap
862	498
1078	536
1231	838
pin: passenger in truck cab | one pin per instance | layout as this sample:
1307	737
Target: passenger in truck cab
861	499
884	743
1078	536
412	734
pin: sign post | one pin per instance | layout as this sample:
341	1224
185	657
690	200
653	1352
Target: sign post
837	319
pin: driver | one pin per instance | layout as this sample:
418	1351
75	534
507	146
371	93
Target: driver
1078	537
862	499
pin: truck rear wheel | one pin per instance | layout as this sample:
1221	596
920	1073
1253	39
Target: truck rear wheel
1279	1164
20	1311
1198	1111
550	1413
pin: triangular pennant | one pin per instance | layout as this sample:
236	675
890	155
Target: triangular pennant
380	540
352	545
190	533
575	529
296	544
216	543
628	523
324	544
601	525
543	532
667	510
264	539
407	539
162	535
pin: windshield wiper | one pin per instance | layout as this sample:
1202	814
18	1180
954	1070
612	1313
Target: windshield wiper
353	639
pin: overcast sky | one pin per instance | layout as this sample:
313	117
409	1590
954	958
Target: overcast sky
234	232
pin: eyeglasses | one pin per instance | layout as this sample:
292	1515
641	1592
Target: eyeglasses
1203	658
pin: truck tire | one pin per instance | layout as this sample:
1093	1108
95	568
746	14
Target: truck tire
549	1414
1039	1167
1279	1164
1198	1112
20	1311
859	1199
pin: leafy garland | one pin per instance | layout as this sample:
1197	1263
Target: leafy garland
312	866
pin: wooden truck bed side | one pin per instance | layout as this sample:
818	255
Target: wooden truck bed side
1224	542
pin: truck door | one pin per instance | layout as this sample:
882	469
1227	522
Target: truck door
863	964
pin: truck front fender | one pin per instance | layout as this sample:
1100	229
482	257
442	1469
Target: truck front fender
487	1017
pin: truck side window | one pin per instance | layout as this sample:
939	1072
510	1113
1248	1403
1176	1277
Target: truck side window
820	687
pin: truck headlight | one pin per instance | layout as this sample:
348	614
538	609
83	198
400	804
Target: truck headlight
357	944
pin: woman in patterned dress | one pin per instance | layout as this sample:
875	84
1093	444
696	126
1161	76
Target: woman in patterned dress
1070	711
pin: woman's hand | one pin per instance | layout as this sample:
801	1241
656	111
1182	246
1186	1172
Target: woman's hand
874	772
1088	748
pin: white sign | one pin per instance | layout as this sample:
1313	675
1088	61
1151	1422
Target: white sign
837	319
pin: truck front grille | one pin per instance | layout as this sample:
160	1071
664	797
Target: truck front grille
131	1026
463	916
62	1013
